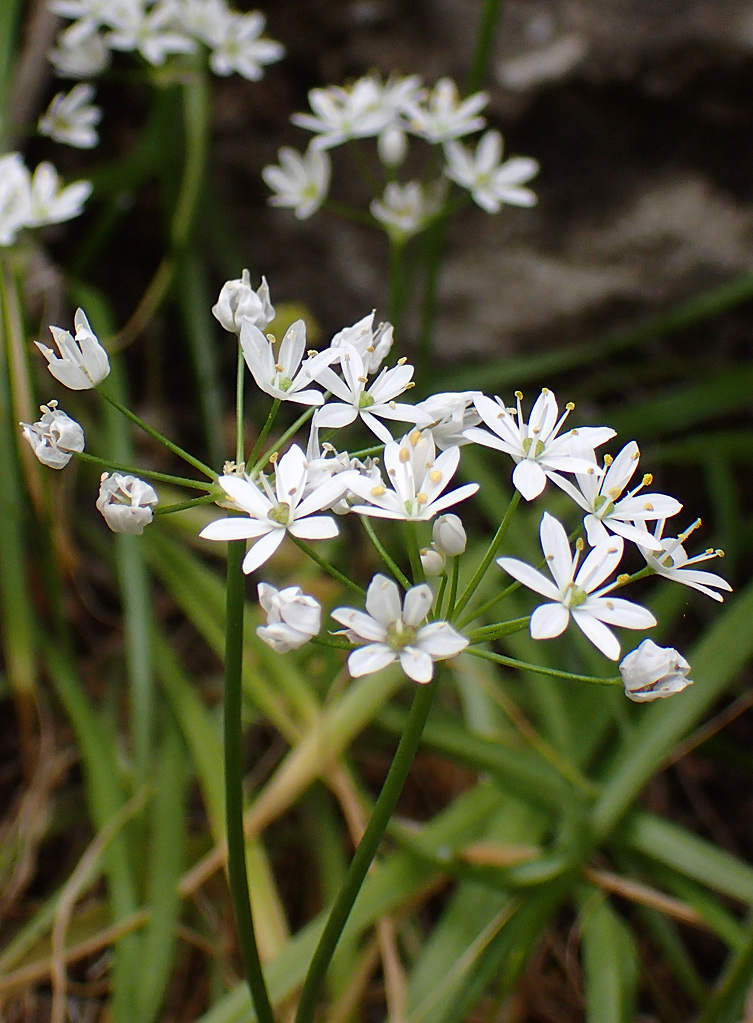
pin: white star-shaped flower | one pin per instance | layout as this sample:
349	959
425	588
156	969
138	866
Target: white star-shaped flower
153	33
83	362
71	118
673	562
15	197
490	180
578	595
392	631
441	115
51	203
371	403
340	114
535	446
270	512
286	374
300	181
406	209
242	49
418	477
607	512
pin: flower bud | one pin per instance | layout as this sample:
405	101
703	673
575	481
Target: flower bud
448	535
432	560
54	437
293	617
126	503
238	302
392	145
651	672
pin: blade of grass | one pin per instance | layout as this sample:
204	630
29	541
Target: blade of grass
610	962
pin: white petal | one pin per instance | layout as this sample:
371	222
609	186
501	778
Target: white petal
416	664
262	550
530	577
361	624
549	620
600	563
529	478
315	527
440	640
617	611
368	659
598	633
418	601
236	528
383	600
556	548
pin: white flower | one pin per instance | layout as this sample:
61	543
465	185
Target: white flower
284	375
271	513
405	210
54	437
418	479
651	672
79	54
207	20
126	503
397	95
82	362
490	181
577	595
340	114
673	562
293	617
535	446
370	403
373	345
15	197
241	49
71	118
449	536
300	182
238	302
394	632
51	204
444	115
452	413
432	561
600	497
150	32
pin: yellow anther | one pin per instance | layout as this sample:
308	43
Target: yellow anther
570	406
623	578
648	479
435	476
279	368
271	338
610	605
393	404
580	544
608	461
378	491
635	455
369	348
590	471
648	506
421	498
719	552
404	455
274	456
545	390
402	362
362	380
519	395
415	437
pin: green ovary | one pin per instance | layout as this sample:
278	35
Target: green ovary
400	635
365	400
280	514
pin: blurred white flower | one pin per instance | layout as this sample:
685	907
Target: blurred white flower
293	617
392	631
54	437
372	403
51	203
82	362
405	210
15	197
340	114
534	446
238	302
651	672
126	503
300	181
448	535
577	594
241	48
284	375
490	181
152	32
673	562
452	413
272	512
600	497
79	54
207	20
372	344
418	478
71	118
441	115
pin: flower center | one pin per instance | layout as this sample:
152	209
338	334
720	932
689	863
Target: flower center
575	596
533	447
365	400
400	635
603	506
280	513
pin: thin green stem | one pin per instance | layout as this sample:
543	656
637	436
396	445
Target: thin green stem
454	583
411	542
513	662
487	633
484	42
168	509
488	604
283	439
263	436
391	565
439	600
240	385
325	565
156	435
488	557
236	843
367	849
397	281
160	477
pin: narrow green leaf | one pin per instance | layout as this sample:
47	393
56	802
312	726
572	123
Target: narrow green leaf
609	961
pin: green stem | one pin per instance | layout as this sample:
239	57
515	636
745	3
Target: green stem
454	583
263	435
488	604
240	384
168	509
487	633
411	542
156	435
484	42
161	477
236	842
488	557
325	565
397	282
513	662
391	565
367	849
290	432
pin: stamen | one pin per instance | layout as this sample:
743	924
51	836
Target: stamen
607	461
279	368
648	479
404	455
378	491
435	476
421	497
415	437
402	362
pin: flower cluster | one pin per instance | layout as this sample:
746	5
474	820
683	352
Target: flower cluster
158	30
391	111
303	493
35	200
